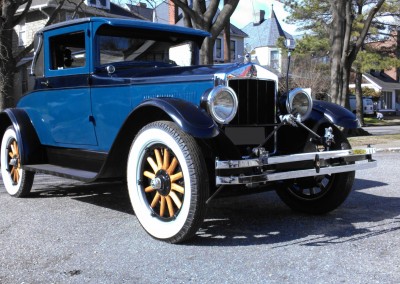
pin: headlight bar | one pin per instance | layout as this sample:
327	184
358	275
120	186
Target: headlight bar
222	104
299	103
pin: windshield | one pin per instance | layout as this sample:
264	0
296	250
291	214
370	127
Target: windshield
153	48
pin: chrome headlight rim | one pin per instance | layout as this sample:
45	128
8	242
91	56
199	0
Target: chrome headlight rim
211	100
290	107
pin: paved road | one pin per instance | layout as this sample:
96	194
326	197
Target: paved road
69	232
383	130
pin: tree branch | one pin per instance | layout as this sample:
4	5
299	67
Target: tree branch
17	20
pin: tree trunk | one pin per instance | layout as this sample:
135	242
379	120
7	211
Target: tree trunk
337	35
359	100
7	69
206	51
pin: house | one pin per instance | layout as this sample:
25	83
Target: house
37	17
263	35
386	82
167	13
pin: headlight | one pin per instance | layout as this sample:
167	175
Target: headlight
222	104
299	103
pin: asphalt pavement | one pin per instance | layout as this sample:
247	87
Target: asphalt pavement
71	232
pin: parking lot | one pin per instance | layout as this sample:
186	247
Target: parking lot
69	232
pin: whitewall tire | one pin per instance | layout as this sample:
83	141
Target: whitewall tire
17	181
167	182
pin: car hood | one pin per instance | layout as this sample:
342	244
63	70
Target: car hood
203	72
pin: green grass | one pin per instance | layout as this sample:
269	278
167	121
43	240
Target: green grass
375	139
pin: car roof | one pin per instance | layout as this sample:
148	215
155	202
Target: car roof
130	23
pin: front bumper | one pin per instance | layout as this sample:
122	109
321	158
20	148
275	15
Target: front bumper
263	169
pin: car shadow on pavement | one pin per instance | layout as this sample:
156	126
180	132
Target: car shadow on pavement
109	195
261	218
264	219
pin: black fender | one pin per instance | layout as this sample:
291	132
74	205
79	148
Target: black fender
192	119
334	113
188	116
29	144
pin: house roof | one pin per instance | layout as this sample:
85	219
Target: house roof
71	5
265	33
141	10
383	81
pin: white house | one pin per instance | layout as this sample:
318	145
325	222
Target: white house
262	40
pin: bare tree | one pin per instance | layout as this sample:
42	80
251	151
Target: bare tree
205	17
8	58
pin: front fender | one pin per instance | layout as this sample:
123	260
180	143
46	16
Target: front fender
188	116
336	114
28	140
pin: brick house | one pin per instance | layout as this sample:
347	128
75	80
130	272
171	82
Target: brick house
386	82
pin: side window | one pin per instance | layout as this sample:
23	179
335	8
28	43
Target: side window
67	51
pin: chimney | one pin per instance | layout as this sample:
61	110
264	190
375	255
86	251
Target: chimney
172	13
142	5
259	17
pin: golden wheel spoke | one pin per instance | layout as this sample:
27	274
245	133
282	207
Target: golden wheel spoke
158	158
11	154
176	200
149	174
162	206
155	200
170	206
173	165
176	177
166	160
177	188
12	148
149	189
16	148
16	175
152	164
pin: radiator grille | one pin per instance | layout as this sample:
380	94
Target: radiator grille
256	101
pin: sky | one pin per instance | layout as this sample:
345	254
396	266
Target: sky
246	8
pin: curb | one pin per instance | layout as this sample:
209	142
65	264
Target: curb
395	149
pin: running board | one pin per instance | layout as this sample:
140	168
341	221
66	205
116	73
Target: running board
54	170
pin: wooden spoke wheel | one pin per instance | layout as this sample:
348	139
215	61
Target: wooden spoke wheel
319	194
17	181
163	182
167	181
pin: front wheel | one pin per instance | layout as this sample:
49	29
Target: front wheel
167	182
319	194
17	181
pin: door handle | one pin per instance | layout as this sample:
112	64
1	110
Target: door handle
45	83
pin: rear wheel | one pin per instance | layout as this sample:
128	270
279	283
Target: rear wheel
319	194
167	182
17	181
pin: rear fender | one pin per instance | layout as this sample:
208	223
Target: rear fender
29	144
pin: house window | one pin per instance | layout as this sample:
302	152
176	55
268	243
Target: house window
21	30
233	50
387	100
274	61
218	48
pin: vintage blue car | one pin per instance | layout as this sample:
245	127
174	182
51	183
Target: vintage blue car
118	99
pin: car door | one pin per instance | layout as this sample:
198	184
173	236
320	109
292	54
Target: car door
66	85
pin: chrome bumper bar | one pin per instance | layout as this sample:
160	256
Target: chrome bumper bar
323	163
